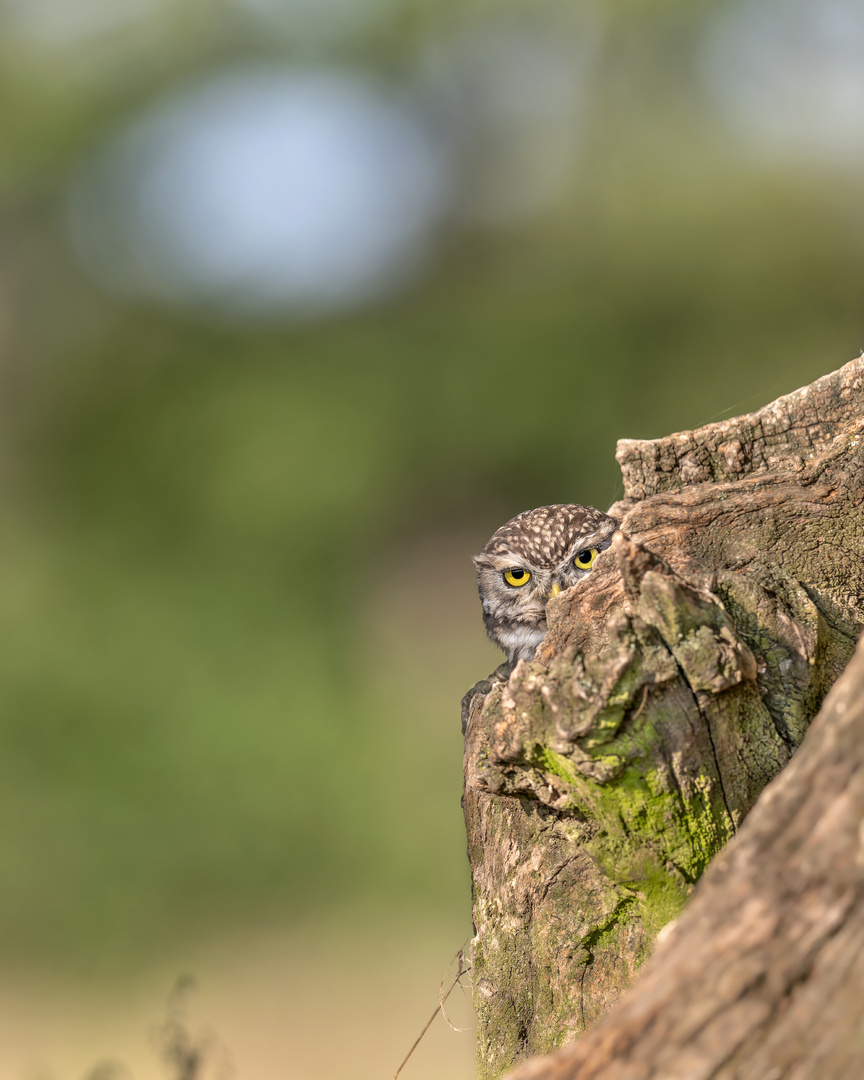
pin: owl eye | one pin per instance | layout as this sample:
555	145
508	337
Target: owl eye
585	559
517	577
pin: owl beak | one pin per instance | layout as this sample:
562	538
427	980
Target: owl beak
556	588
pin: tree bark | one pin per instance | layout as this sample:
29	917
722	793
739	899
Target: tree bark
673	685
762	977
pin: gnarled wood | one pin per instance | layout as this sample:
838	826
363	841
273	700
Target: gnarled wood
762	976
674	683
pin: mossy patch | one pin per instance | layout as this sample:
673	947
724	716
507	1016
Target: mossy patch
557	764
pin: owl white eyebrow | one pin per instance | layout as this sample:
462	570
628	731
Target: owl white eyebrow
499	563
585	543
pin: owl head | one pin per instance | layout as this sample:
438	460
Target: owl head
530	559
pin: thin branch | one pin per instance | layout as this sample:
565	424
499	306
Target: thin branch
463	969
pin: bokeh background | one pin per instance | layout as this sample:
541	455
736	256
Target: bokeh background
299	301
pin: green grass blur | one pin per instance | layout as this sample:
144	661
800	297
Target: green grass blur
235	584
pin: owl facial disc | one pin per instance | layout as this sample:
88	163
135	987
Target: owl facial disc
530	559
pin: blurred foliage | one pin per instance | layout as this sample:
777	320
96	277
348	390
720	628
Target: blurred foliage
199	728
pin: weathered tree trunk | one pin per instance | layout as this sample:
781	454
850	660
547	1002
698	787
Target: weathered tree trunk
673	685
762	977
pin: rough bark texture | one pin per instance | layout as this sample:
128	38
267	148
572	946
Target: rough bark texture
673	685
762	977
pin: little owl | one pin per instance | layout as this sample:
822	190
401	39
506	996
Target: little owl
528	561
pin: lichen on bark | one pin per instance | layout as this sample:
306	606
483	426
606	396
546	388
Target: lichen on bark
602	777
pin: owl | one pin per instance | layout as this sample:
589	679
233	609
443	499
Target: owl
531	559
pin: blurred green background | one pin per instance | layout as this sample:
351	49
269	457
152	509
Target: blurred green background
299	302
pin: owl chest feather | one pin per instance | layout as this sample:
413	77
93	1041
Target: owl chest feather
520	642
519	637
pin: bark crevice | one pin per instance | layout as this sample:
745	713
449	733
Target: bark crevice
761	975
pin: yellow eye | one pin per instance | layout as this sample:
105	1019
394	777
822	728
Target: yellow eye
517	577
585	559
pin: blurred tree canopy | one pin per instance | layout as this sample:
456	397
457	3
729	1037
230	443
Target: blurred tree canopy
205	515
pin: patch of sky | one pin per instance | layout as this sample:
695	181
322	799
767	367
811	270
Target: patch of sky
789	74
266	191
516	91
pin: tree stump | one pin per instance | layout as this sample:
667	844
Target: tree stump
762	977
674	683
